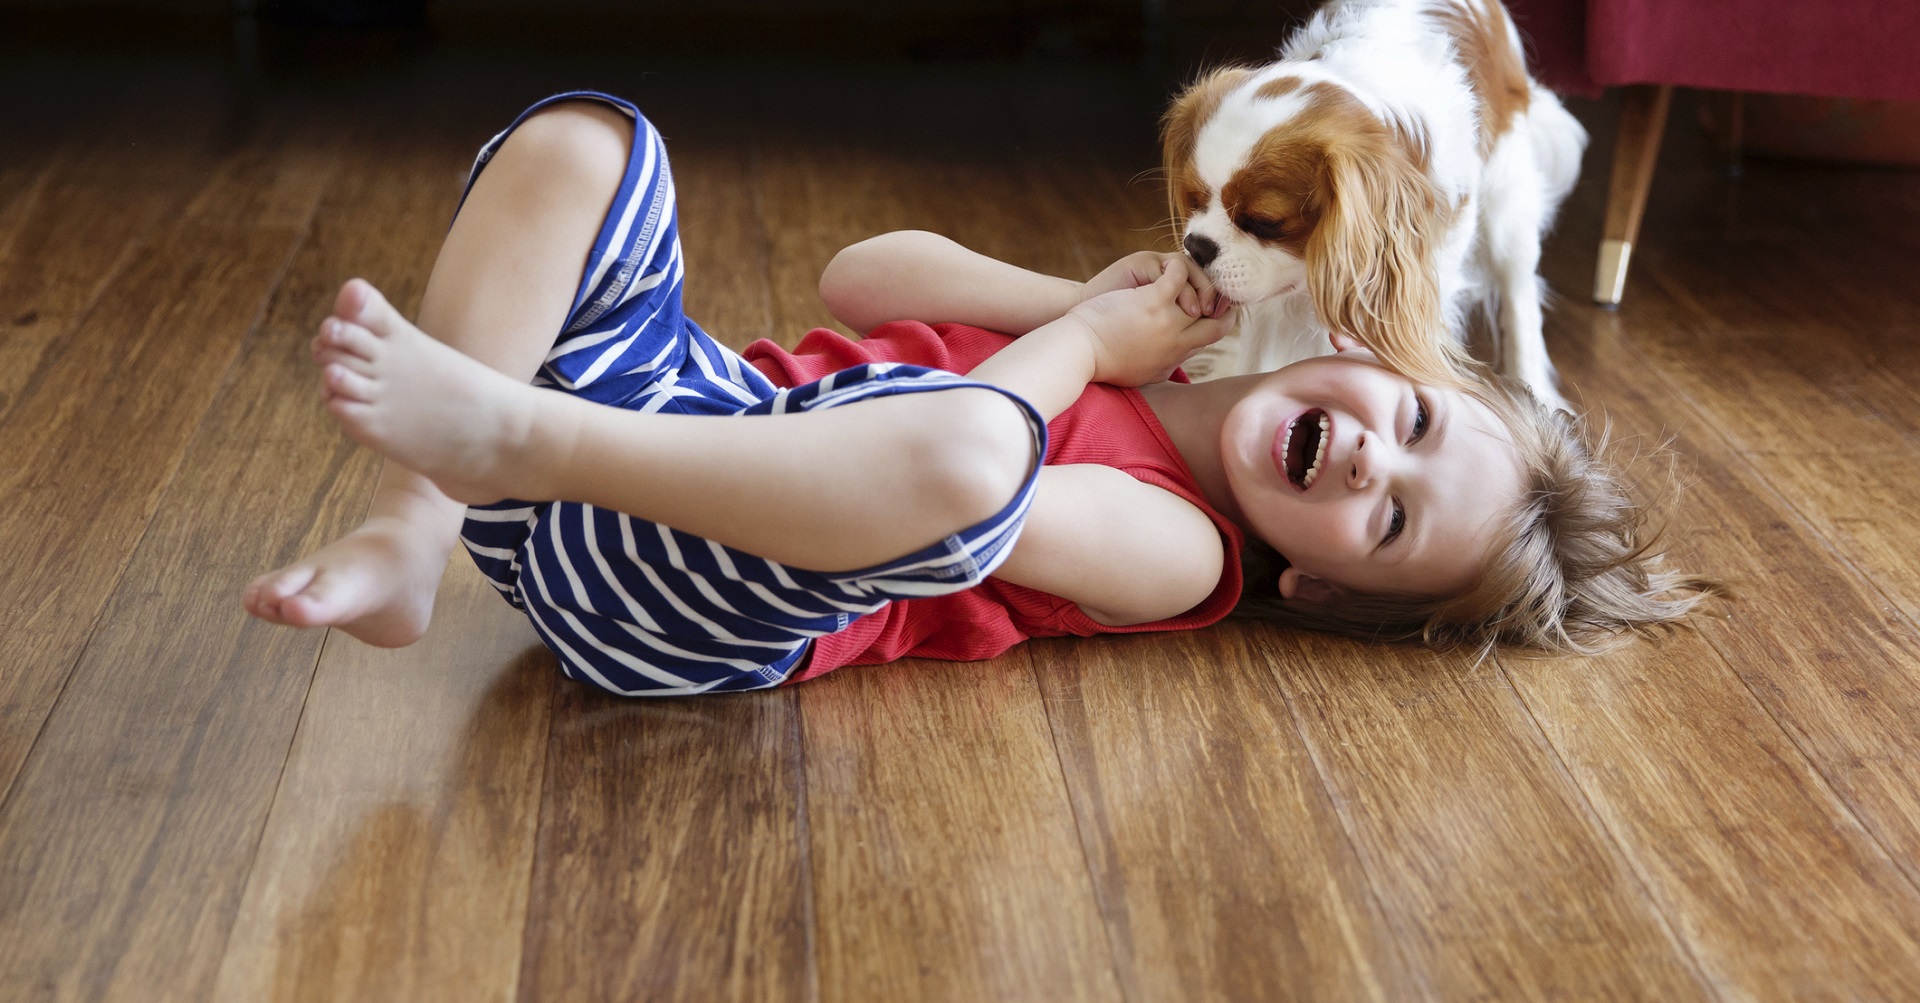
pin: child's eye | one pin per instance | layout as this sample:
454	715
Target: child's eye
1420	419
1395	524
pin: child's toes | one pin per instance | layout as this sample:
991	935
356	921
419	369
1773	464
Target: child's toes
265	595
373	310
339	337
340	381
319	603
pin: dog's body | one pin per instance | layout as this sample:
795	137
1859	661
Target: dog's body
1393	170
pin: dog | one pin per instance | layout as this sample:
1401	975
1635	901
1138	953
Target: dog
1394	169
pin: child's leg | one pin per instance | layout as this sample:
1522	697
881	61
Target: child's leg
501	286
830	490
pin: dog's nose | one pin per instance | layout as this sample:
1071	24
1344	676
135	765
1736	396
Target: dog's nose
1201	250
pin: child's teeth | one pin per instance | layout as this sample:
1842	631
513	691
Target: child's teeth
1319	454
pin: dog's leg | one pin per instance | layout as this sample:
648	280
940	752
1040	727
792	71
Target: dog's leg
1516	207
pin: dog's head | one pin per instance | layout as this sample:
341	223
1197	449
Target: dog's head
1283	186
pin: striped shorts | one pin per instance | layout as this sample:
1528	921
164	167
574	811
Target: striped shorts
641	609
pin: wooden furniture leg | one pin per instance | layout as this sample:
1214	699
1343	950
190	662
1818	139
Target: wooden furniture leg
1643	117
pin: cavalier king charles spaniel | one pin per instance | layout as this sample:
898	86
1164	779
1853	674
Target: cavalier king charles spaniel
1395	168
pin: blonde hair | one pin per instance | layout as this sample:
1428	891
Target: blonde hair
1575	568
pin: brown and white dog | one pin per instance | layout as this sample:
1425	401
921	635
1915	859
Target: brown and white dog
1395	168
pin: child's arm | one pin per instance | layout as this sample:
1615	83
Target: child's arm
916	275
1123	550
1126	337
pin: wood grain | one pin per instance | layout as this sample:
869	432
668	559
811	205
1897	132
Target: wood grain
68	236
672	853
1791	447
946	864
1222	869
131	827
1493	875
1784	745
396	861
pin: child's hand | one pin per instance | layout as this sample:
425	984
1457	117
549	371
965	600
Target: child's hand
1199	299
1141	332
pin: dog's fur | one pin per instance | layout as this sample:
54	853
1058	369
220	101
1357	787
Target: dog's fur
1393	169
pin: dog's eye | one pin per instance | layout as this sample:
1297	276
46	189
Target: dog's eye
1262	227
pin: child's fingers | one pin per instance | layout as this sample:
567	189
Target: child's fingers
1206	331
1189	302
1173	278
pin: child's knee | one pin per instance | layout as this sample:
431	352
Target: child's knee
984	446
573	142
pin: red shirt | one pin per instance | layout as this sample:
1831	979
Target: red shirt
1111	426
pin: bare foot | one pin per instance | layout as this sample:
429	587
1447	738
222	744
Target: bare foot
423	404
376	583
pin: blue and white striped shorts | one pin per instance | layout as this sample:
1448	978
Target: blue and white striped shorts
642	609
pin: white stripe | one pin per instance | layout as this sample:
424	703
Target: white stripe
611	355
573	657
568	346
566	566
634	609
616	244
660	586
500	514
659	224
767	596
645	668
497	553
727	383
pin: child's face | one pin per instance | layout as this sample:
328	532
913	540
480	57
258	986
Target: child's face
1408	485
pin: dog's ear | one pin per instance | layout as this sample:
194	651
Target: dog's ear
1372	260
1180	130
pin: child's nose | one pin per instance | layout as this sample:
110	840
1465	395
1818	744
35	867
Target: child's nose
1360	465
1367	463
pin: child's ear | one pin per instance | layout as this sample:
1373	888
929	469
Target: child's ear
1345	342
1295	584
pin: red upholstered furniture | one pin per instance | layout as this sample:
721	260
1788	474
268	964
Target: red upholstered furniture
1829	48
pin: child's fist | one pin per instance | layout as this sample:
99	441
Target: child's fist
1140	333
1140	268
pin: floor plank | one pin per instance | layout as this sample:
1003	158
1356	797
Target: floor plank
131	826
673	852
396	861
67	238
1222	868
425	761
1692	769
1791	446
1496	880
946	864
672	855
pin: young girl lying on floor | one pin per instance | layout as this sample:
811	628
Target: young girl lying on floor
857	496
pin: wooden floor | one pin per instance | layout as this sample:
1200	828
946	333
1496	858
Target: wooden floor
193	805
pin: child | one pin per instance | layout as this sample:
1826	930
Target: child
855	504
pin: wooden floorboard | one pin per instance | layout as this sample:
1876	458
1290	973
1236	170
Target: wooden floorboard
673	853
946	859
1824	634
395	864
199	806
141	799
1495	879
1219	858
425	761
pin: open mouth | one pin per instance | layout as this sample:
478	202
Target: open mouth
1306	447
